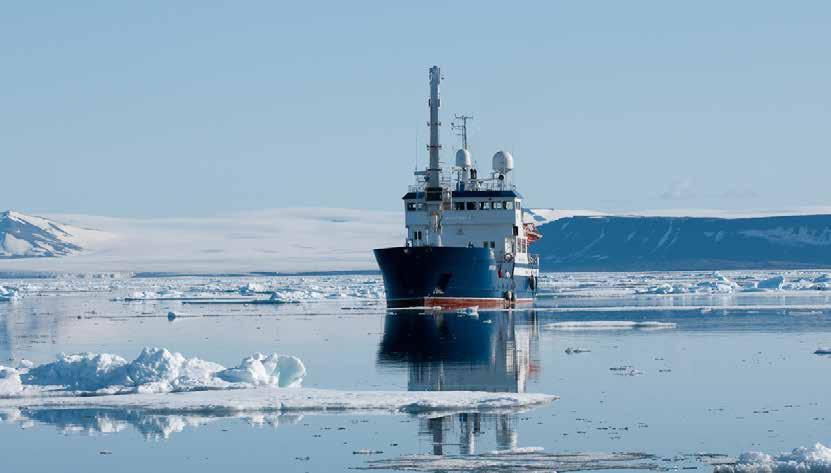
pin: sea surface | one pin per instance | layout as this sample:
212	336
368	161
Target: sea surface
731	368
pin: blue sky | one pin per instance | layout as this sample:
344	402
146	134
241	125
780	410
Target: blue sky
161	108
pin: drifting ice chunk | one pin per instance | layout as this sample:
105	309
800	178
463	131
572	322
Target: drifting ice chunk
252	288
608	325
158	370
800	460
9	381
272	370
774	283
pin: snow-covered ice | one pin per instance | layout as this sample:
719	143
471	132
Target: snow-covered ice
288	400
155	370
816	459
608	325
159	380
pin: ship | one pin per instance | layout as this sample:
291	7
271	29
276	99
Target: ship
466	243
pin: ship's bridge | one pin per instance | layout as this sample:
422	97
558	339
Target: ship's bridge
481	218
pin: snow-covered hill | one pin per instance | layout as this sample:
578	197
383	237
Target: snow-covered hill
320	239
638	243
279	240
27	236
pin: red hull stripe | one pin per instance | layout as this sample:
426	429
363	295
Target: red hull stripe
456	302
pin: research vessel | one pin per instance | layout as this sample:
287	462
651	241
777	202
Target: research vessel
466	244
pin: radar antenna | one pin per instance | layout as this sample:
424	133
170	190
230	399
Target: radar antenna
461	128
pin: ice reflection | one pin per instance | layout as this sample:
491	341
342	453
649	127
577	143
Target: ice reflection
450	351
150	426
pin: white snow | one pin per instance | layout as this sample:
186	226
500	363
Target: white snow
281	240
158	370
159	380
288	400
717	284
608	325
543	216
28	235
251	288
13	246
800	460
267	370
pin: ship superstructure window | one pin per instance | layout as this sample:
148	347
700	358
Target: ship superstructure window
484	205
518	205
509	205
417	235
497	205
411	206
471	205
458	205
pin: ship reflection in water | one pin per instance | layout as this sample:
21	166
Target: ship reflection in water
450	351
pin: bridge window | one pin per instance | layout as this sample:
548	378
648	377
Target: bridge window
509	205
497	205
458	205
411	206
484	205
471	205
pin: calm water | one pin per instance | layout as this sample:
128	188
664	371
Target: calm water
740	376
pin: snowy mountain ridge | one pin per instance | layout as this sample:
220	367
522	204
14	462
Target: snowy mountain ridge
27	236
331	239
640	243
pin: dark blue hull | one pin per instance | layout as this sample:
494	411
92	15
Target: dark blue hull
452	277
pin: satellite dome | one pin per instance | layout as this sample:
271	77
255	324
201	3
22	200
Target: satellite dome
463	159
503	162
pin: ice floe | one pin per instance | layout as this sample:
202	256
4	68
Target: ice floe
608	325
155	370
816	459
273	399
162	381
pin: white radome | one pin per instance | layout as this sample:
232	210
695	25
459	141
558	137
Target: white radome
463	159
503	162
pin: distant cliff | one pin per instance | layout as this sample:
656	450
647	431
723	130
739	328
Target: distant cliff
618	243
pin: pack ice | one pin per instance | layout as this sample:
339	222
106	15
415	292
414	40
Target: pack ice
155	370
816	459
260	383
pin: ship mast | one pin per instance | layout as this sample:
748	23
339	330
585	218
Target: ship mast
434	192
461	128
